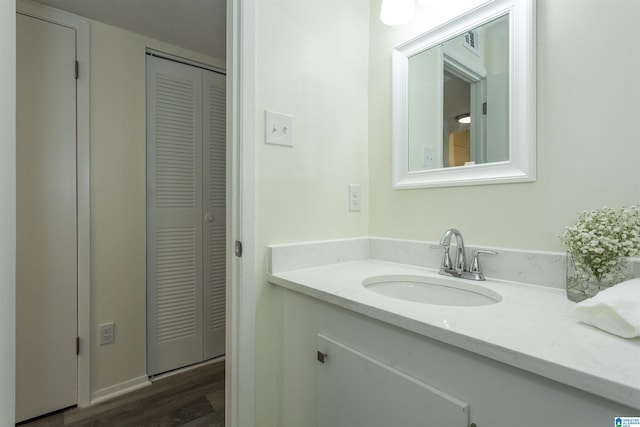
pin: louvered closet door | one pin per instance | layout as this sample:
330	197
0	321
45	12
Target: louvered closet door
174	215
214	165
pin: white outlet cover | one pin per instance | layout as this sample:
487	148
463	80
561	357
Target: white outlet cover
278	128
107	333
354	197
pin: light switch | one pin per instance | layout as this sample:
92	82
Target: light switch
278	128
354	197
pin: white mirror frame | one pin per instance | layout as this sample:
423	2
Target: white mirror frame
521	166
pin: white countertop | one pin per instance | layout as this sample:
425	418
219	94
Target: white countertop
532	328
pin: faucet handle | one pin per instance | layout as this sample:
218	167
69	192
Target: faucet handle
446	259
474	267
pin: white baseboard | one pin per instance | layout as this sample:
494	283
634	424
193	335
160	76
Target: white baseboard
119	389
142	381
178	371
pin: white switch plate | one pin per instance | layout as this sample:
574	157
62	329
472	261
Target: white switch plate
278	128
354	197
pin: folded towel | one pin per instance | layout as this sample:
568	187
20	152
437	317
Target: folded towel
615	310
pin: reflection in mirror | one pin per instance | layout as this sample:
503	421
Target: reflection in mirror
458	100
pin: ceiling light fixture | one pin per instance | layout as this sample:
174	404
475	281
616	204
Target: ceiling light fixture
464	118
397	12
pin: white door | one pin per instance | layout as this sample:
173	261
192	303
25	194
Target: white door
174	215
46	244
185	215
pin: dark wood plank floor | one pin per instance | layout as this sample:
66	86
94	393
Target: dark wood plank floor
190	399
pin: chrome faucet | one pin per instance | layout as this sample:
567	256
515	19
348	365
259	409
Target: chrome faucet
445	242
459	268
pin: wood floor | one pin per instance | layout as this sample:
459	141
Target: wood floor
191	399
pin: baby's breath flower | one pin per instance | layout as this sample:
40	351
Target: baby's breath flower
602	239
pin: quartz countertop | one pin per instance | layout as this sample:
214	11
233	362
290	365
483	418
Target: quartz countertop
532	328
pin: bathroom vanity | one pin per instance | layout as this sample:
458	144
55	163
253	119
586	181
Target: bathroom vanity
350	356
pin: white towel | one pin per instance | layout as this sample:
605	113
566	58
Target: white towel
615	310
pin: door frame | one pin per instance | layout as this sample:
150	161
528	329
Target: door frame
7	211
240	383
83	160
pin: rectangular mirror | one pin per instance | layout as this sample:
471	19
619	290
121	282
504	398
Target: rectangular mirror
464	100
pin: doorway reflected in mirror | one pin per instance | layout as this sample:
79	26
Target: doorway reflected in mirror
467	75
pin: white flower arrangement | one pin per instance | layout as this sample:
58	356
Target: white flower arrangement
600	241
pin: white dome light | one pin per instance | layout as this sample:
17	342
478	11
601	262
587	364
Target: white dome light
464	118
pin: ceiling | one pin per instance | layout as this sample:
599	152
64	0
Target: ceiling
198	25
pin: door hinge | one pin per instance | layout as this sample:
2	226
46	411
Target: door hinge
321	356
77	69
484	108
238	248
77	346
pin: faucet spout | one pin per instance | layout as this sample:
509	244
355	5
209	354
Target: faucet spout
445	241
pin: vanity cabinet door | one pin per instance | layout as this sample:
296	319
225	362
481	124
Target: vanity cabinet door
355	390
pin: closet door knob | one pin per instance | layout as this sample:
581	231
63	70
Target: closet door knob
209	217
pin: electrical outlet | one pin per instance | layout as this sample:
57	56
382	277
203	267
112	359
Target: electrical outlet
354	197
107	333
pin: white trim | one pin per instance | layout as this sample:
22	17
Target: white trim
119	389
182	59
83	34
241	294
7	212
461	67
179	371
521	166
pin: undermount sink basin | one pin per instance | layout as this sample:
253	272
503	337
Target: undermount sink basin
432	290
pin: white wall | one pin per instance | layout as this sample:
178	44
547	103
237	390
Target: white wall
588	140
7	209
118	198
312	63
